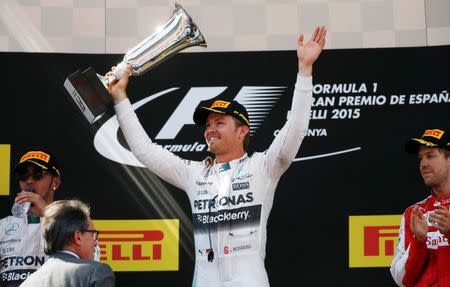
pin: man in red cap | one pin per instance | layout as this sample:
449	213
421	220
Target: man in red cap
422	257
231	195
20	236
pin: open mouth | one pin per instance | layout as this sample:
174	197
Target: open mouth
212	139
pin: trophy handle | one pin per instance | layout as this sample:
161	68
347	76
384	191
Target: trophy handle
119	70
117	74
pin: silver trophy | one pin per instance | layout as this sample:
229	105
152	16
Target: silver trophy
89	89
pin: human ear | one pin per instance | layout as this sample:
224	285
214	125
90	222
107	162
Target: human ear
244	130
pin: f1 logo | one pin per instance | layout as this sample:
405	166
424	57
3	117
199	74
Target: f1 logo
5	159
258	100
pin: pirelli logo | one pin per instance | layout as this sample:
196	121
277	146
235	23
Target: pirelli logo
372	240
35	155
433	133
5	159
139	245
220	104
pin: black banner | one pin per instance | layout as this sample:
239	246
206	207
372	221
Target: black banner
368	102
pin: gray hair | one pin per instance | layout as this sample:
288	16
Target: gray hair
61	219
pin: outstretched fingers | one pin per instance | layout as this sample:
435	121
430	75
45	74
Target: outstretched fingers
314	36
322	38
319	35
300	40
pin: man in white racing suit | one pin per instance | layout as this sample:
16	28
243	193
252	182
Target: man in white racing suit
21	251
231	196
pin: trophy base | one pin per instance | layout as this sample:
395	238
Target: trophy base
89	94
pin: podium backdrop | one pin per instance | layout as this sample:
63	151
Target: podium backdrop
336	210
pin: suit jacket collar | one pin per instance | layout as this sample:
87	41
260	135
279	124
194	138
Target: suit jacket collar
64	256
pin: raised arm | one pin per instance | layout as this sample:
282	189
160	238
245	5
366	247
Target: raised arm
285	146
309	52
163	163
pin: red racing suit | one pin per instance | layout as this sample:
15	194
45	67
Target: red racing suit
21	251
422	264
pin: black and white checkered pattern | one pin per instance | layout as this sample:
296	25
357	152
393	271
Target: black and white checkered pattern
114	26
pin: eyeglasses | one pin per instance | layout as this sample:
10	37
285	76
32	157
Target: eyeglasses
95	233
37	174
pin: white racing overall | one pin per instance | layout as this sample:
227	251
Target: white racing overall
21	250
231	202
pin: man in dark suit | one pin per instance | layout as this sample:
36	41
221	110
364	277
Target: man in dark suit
70	239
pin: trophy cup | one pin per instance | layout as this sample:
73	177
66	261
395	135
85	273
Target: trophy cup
89	89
